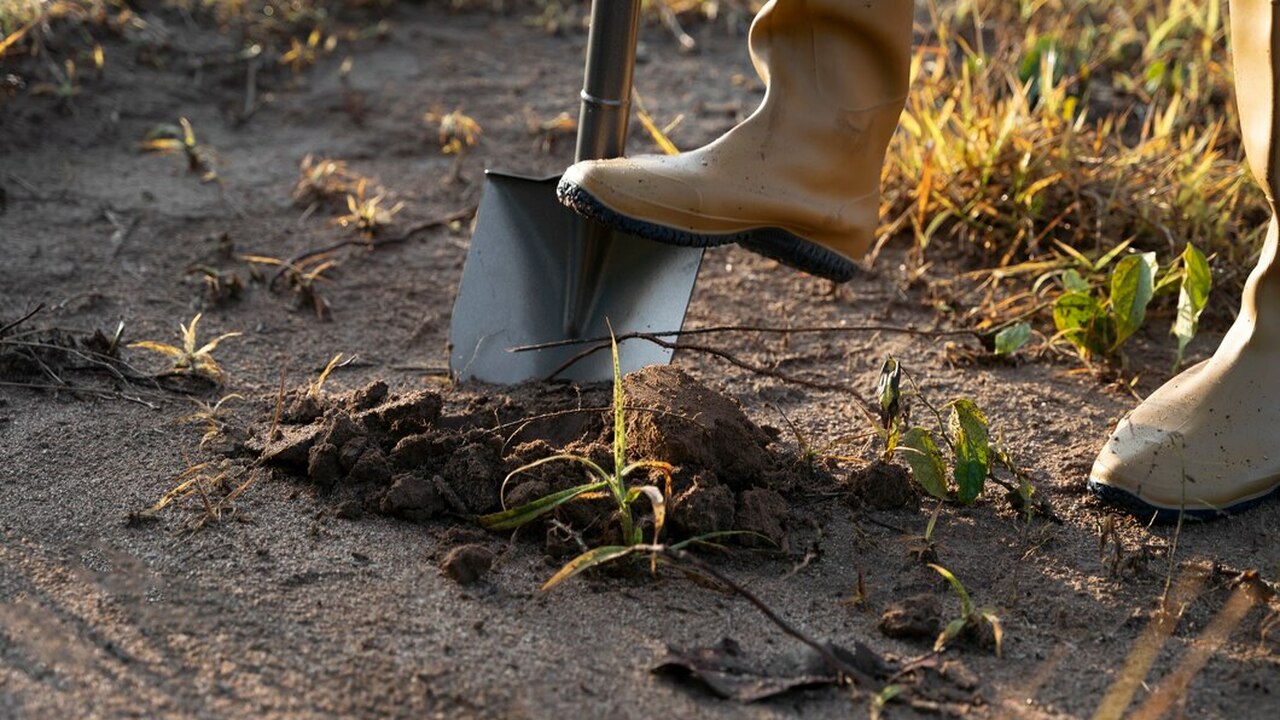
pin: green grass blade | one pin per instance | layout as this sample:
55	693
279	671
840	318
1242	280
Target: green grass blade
515	517
966	603
590	559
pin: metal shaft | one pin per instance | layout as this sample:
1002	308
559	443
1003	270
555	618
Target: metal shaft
602	134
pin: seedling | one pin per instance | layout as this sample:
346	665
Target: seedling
1098	327
210	483
924	549
210	414
65	89
971	619
455	132
190	358
366	214
302	55
181	138
323	180
221	286
604	483
303	278
314	386
966	434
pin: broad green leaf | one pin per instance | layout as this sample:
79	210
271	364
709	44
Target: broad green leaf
927	467
889	391
1132	286
590	559
1084	323
1192	297
967	428
515	517
1010	339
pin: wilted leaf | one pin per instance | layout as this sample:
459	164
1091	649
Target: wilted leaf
590	559
927	467
967	427
1132	286
1010	339
888	390
1192	297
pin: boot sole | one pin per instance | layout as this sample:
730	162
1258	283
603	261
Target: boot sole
771	242
1134	505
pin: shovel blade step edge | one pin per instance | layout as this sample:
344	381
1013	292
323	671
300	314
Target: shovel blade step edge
516	280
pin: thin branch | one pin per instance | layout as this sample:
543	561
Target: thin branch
772	330
104	394
21	320
409	232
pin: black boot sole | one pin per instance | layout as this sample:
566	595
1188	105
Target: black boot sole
771	242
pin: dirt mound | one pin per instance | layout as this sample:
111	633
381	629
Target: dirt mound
403	455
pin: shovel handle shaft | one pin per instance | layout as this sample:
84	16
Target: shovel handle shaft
606	88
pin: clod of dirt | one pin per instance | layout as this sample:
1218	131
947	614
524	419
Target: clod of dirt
884	486
764	512
706	507
323	466
913	618
467	563
413	497
687	424
527	492
476	474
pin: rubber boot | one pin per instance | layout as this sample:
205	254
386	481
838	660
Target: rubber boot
799	180
1208	441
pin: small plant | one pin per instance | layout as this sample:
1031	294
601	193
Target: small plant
966	434
455	132
190	358
603	482
210	414
303	278
302	55
924	549
971	619
323	180
1097	327
181	138
367	214
209	482
65	89
314	386
221	286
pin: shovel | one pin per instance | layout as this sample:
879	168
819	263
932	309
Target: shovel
537	272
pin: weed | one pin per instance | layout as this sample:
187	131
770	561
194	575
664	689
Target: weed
314	386
612	484
220	286
210	414
303	278
182	138
972	618
210	483
924	549
190	358
455	132
65	88
323	181
367	214
302	54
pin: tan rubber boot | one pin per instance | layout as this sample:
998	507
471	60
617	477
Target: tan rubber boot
1208	441
799	180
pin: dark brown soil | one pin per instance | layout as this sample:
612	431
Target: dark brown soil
319	588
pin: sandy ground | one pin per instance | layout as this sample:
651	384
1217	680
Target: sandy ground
287	610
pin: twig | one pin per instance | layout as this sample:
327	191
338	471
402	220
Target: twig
408	233
766	329
722	354
21	320
104	394
840	666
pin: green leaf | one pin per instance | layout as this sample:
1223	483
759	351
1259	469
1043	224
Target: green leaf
1132	286
590	559
619	425
967	428
1192	297
515	517
966	603
1073	282
1010	339
927	467
1084	323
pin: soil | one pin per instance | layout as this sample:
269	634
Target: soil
348	576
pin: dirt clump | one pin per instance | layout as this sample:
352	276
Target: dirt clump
466	564
884	486
763	512
918	617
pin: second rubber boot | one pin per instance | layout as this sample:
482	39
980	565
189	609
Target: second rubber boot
798	180
1208	441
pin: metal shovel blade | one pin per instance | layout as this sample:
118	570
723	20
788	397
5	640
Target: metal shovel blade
522	272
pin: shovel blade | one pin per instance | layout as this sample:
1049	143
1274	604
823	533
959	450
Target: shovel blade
520	275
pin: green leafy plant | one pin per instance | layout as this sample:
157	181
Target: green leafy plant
613	484
181	138
972	618
965	432
190	358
